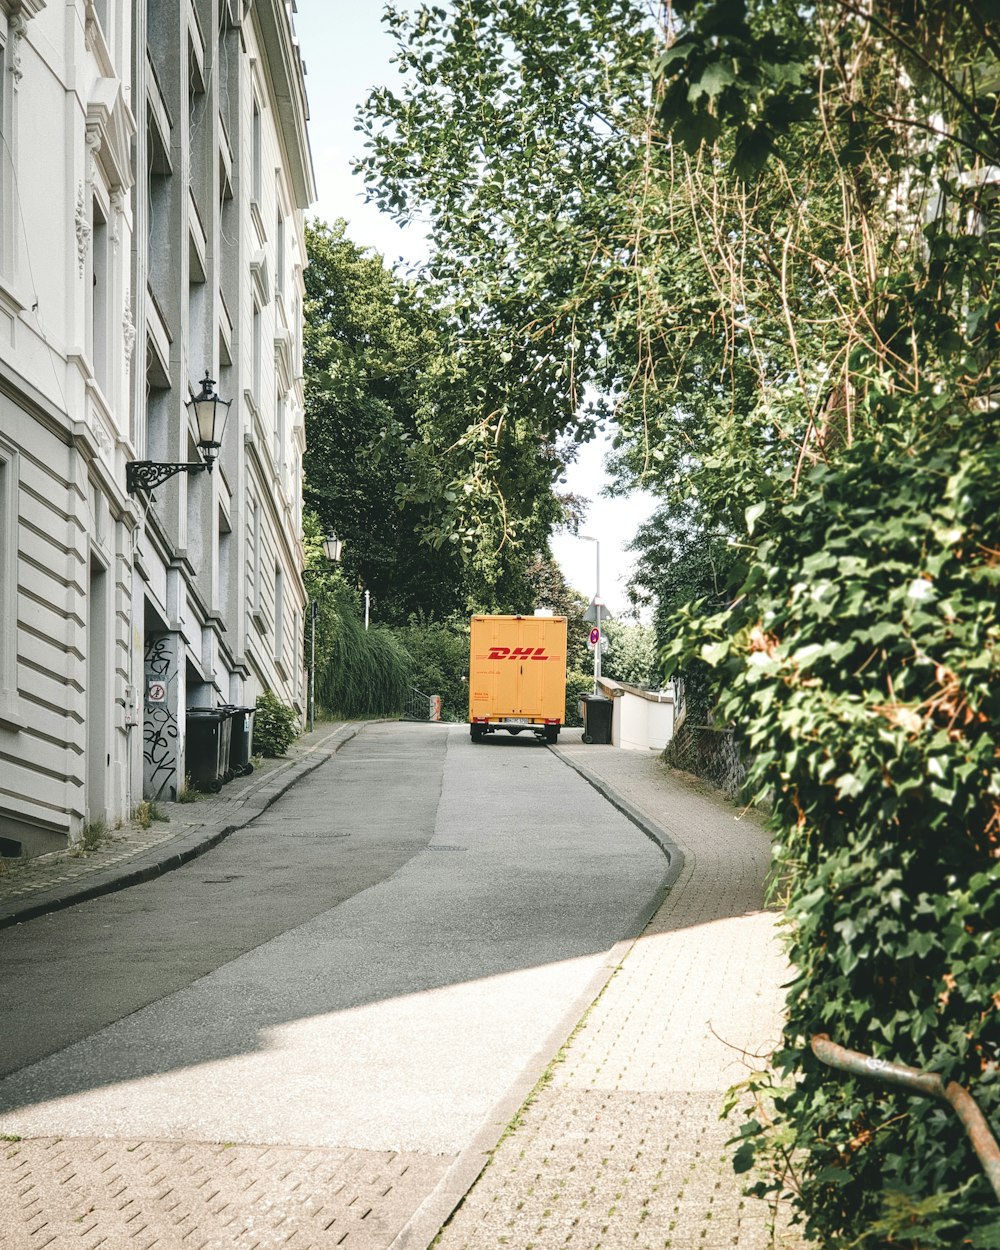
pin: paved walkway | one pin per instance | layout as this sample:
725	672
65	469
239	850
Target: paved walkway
622	1144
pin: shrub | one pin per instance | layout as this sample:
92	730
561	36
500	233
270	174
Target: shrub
577	683
862	667
365	672
631	656
439	651
276	726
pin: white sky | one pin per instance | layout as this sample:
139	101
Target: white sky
347	52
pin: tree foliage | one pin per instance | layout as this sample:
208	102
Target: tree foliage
858	658
770	241
441	497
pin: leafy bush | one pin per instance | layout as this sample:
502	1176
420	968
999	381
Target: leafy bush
275	725
863	667
364	672
439	652
632	654
577	683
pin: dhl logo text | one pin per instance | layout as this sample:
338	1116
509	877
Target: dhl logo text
517	653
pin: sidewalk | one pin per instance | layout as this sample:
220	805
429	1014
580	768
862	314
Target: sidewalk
622	1145
131	854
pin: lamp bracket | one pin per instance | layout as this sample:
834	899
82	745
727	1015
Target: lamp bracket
148	474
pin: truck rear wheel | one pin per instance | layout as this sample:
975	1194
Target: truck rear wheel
551	734
477	733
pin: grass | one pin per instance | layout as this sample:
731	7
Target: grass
187	793
91	837
146	812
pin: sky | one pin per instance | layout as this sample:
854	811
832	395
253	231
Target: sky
346	53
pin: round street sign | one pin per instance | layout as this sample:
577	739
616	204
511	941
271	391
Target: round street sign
595	636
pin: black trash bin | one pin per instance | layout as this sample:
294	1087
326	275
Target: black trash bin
207	747
596	719
240	740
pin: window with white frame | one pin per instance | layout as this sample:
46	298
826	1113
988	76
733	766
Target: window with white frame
253	597
279	435
99	294
255	139
279	252
256	348
8	580
5	156
279	615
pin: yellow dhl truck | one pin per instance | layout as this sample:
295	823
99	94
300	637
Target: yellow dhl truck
517	675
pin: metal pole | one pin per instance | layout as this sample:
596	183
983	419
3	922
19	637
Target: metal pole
597	609
367	602
312	669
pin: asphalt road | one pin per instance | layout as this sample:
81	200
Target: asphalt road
373	964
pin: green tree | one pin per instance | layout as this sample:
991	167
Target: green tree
366	342
439	654
417	454
771	243
632	655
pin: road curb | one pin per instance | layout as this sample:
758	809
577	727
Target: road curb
638	818
423	1227
183	849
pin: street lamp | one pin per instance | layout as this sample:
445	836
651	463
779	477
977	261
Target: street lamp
332	547
210	414
598	604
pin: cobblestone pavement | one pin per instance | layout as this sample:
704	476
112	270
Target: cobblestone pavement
624	1145
197	1196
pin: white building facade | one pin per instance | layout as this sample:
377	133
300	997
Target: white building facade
155	169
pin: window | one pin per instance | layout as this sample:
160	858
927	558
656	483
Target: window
255	347
8	584
279	253
224	560
254	595
297	655
100	292
256	157
101	13
279	436
5	177
279	615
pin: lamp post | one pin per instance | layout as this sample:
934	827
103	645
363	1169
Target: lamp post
332	547
597	607
210	414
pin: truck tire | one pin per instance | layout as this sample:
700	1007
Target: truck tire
476	732
551	735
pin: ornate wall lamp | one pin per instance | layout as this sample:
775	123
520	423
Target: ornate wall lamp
332	546
210	413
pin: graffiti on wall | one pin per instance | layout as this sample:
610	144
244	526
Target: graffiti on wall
159	726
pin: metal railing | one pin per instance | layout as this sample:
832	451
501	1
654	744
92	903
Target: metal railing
931	1085
420	706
